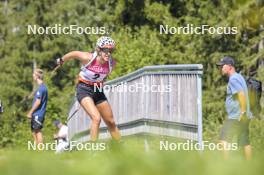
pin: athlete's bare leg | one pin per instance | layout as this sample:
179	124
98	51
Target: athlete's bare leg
88	105
106	112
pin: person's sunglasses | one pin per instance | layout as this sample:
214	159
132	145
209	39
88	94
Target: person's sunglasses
107	50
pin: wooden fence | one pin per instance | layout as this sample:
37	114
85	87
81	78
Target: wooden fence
161	100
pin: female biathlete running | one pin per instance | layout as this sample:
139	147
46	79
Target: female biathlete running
95	68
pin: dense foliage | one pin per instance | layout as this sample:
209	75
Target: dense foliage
135	25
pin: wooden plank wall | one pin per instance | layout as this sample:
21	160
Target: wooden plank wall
173	101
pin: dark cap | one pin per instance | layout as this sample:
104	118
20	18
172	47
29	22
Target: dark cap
56	122
226	60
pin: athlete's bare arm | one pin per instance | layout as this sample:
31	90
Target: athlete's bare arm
84	57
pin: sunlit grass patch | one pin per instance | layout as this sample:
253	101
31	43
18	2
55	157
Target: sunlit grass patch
130	158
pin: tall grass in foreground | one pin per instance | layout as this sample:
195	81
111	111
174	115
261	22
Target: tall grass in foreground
129	159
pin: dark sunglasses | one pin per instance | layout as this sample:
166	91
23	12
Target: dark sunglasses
107	50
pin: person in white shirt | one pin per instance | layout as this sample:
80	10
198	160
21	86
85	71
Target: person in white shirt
61	136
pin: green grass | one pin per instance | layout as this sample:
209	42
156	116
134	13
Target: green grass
132	159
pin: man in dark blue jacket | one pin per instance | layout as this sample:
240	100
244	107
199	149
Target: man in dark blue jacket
38	109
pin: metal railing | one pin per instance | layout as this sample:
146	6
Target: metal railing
161	100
